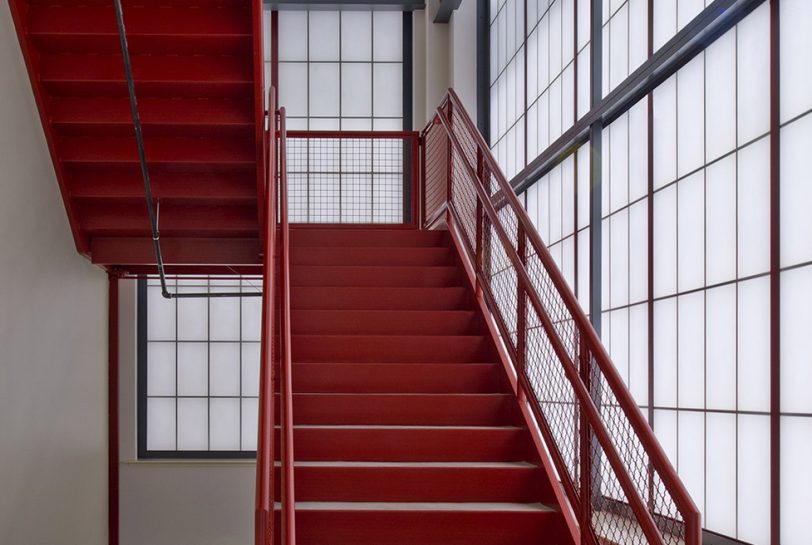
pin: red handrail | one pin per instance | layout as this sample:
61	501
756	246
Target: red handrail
274	254
598	434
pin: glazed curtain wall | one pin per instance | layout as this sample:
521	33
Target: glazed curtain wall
340	70
687	180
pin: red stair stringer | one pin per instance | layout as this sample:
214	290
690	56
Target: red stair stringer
520	397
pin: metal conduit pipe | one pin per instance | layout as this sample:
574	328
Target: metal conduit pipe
142	159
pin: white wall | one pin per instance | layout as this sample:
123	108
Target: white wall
174	502
53	340
444	56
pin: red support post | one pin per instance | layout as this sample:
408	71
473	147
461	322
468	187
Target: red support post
112	411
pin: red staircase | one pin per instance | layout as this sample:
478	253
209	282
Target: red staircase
406	427
197	68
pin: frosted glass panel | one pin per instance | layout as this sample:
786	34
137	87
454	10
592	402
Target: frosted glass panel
224	369
691	344
665	21
192	317
161	322
720	452
638	144
619	163
796	193
293	88
638	252
754	208
387	32
160	369
323	36
754	345
665	241
753	72
250	412
292	37
665	428
691	231
796	342
618	47
160	424
796	70
324	89
356	90
224	317
193	426
721	348
753	478
691	450
387	94
665	133
250	369
251	318
638	353
665	353
796	479
619	341
225	424
356	36
720	213
192	369
619	260
690	108
720	96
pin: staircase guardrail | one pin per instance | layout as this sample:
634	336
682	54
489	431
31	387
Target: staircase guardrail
275	352
618	480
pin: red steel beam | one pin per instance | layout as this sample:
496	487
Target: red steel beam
176	251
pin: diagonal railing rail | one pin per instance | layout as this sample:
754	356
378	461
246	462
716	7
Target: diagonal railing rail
618	480
275	355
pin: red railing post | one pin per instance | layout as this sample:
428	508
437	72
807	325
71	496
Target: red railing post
521	314
265	434
480	220
585	463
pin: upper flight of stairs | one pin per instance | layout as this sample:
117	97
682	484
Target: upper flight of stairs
199	89
406	429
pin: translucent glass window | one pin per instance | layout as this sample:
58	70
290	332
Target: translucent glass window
200	369
341	70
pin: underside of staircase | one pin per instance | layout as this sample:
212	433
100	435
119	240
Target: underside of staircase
197	67
406	427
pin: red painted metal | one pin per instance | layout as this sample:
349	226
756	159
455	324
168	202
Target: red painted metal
260	118
457	125
112	412
198	68
286	348
265	436
276	346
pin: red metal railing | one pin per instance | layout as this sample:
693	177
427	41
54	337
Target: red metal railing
619	482
354	177
275	358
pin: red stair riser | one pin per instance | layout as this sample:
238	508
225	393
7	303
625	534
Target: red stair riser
361	256
430	527
404	444
400	349
385	322
403	409
376	236
371	276
407	483
391	298
396	378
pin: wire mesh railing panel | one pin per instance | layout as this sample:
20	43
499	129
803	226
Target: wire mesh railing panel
616	476
345	177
